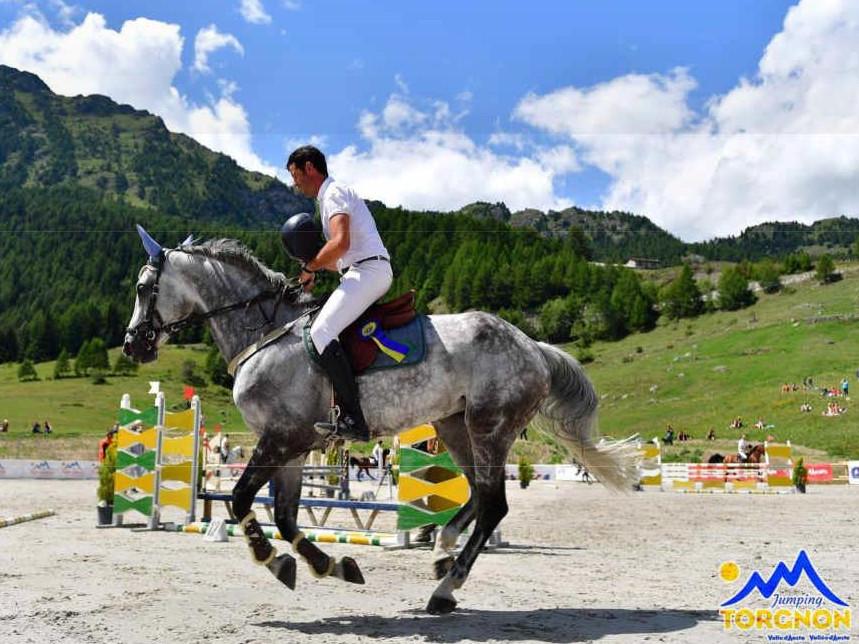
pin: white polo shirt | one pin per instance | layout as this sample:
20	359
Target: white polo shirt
364	239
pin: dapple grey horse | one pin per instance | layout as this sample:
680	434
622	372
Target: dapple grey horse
481	382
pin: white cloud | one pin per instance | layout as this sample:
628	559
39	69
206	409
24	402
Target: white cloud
783	145
209	40
134	65
417	157
292	5
254	12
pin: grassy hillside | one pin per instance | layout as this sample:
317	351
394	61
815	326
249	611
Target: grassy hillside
693	374
80	412
701	373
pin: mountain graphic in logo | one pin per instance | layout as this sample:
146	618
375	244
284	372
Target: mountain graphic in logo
788	575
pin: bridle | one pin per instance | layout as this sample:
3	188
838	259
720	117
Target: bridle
152	325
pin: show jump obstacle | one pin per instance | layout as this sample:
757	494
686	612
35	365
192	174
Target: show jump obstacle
157	463
158	466
772	476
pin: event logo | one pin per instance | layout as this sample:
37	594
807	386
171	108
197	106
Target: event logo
72	469
41	469
802	617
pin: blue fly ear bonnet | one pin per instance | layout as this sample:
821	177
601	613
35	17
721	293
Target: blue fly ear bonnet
302	237
152	247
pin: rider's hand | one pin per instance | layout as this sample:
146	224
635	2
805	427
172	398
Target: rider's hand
307	279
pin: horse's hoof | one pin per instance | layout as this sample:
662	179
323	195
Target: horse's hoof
283	567
351	571
442	566
440	605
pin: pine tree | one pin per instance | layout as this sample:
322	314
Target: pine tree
825	272
124	366
27	371
734	290
62	368
682	298
99	360
83	361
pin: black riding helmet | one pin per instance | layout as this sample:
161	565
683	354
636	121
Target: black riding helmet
302	237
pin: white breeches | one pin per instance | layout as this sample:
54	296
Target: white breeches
359	287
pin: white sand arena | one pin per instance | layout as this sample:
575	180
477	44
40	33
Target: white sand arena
583	565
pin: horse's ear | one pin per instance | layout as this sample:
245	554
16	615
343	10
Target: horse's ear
189	241
152	247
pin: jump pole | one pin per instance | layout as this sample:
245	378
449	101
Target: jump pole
5	523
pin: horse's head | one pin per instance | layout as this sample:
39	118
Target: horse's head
160	306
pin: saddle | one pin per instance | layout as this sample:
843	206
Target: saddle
365	338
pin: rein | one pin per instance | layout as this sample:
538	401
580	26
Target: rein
152	324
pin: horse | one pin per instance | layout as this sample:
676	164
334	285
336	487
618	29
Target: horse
363	463
481	381
756	455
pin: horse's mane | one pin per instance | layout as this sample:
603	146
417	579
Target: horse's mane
235	253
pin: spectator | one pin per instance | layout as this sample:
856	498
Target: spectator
759	424
104	443
37	428
4	426
845	387
668	439
711	435
378	456
48	429
225	448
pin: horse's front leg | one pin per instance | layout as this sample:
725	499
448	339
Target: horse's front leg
258	472
287	493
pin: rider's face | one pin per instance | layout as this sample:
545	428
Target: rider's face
303	181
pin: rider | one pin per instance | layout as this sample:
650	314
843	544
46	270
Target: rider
743	447
354	249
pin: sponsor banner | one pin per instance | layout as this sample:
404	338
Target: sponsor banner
853	472
21	469
819	472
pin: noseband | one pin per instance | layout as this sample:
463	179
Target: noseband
146	333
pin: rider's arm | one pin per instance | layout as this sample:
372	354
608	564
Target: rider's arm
335	247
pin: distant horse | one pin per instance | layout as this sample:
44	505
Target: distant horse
481	381
363	463
756	455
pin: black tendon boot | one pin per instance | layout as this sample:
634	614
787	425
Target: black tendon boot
350	424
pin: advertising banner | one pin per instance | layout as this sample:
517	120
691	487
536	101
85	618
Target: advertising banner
853	472
819	472
22	469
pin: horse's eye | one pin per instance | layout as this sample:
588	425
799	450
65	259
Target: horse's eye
141	289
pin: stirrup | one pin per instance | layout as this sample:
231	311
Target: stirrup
336	428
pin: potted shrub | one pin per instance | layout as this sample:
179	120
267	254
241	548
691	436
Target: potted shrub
800	476
105	486
526	472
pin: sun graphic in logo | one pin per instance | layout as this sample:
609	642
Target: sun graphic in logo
729	571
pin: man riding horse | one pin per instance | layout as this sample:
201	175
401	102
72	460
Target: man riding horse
355	250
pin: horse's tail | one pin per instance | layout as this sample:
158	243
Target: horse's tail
570	412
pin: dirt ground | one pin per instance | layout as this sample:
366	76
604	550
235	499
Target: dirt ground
582	565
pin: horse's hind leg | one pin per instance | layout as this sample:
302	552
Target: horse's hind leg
453	432
490	507
287	483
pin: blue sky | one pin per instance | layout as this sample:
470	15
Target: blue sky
674	110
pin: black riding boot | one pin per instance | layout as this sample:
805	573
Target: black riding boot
351	424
